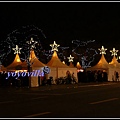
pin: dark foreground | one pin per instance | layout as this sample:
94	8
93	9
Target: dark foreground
95	100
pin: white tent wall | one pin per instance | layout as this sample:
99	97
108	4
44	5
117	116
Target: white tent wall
53	73
62	72
34	82
111	74
34	79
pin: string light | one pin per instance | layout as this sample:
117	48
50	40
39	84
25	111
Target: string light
86	55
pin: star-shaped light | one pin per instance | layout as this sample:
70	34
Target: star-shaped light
32	43
54	46
70	58
17	50
102	50
114	52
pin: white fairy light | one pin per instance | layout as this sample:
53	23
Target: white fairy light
70	58
102	50
17	50
114	52
54	46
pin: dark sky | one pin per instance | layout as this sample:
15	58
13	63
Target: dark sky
65	21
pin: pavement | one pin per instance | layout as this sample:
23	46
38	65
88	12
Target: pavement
60	86
80	100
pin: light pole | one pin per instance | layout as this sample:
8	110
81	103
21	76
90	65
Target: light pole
31	45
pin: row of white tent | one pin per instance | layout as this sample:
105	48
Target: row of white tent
57	68
110	68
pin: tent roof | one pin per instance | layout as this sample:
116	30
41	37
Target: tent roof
3	68
34	61
17	62
114	62
55	62
78	65
102	64
71	65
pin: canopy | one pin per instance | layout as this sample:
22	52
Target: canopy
16	64
101	65
55	62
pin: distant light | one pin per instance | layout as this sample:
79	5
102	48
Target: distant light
80	70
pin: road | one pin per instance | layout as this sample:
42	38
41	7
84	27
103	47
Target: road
100	100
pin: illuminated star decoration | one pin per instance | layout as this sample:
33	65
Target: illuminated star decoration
17	50
54	46
70	58
32	43
114	52
102	50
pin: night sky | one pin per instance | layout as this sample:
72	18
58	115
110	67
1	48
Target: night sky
65	21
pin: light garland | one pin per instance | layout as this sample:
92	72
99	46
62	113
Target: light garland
86	57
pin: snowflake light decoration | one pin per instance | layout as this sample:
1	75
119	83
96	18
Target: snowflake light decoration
70	58
114	52
54	46
102	50
17	50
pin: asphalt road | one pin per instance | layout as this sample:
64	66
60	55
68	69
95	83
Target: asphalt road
99	100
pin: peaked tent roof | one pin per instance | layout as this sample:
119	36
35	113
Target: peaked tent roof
55	62
114	62
102	64
2	68
71	65
16	64
34	61
78	65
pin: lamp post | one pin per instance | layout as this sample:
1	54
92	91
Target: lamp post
31	45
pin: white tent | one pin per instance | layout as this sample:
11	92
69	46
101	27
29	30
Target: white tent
71	65
101	65
110	68
114	65
59	69
16	64
35	65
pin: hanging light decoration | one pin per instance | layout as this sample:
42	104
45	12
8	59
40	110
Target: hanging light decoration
54	46
17	50
70	58
102	50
